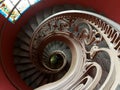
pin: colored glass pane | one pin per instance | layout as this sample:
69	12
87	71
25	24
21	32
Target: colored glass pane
6	7
23	5
14	1
14	15
1	1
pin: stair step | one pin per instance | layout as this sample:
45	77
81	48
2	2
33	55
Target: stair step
57	9
28	79
39	17
24	68
28	31
22	46
69	7
18	52
50	78
28	74
19	60
63	47
39	80
33	23
44	81
22	36
47	12
33	79
45	55
22	49
33	83
78	7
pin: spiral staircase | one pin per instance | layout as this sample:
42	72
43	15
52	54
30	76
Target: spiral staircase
27	69
68	47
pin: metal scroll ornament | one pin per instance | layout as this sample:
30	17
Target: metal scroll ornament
94	43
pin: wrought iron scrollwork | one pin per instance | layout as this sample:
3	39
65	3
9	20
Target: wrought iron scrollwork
87	36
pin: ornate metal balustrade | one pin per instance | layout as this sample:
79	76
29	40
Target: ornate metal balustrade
70	50
94	43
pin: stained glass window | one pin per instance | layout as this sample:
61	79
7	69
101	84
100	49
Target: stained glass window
14	1
22	6
14	16
13	9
